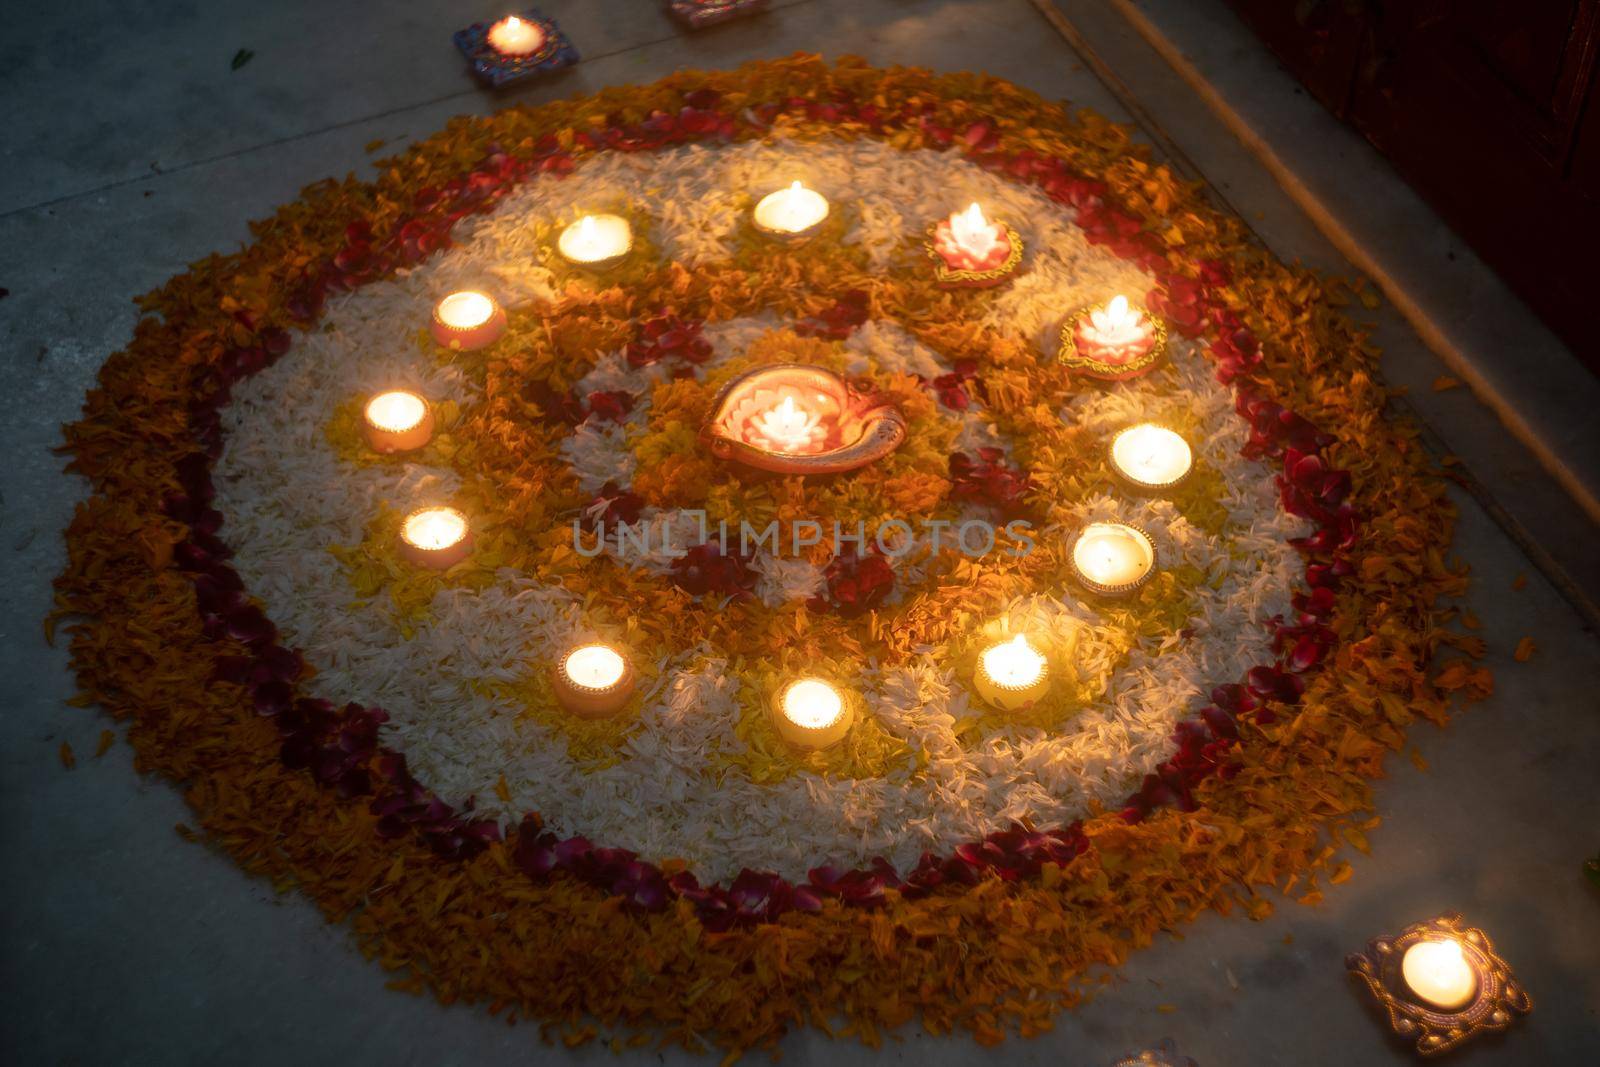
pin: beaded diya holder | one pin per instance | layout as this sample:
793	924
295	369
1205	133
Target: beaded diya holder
1497	999
1165	1054
1117	590
697	14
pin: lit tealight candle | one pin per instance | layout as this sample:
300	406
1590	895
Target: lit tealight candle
1151	457
467	320
1113	559
435	537
593	681
512	36
596	241
1012	674
811	714
397	421
1438	972
791	213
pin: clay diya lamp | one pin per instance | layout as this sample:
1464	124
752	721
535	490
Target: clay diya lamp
971	252
1112	342
790	418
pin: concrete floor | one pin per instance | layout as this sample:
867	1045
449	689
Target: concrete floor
132	149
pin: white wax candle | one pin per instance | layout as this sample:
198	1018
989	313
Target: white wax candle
1112	554
812	704
433	529
1438	972
596	239
515	37
465	310
396	411
594	666
397	421
791	211
1151	455
1013	664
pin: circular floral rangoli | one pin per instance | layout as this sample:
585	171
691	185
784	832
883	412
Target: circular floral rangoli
385	736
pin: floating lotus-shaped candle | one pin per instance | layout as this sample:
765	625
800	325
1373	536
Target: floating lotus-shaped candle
971	252
1113	341
790	418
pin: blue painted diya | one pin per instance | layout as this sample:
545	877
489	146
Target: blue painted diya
515	47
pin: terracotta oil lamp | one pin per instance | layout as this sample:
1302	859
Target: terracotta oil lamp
1112	341
790	418
594	681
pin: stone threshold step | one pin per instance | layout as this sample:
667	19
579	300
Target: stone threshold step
1221	109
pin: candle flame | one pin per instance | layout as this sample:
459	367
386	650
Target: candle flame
466	309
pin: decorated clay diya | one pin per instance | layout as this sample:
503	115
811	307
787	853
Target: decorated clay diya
515	47
1441	983
397	421
1165	1054
971	252
811	714
700	13
593	681
435	537
1150	458
790	418
596	242
1012	674
1113	341
790	215
1113	559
